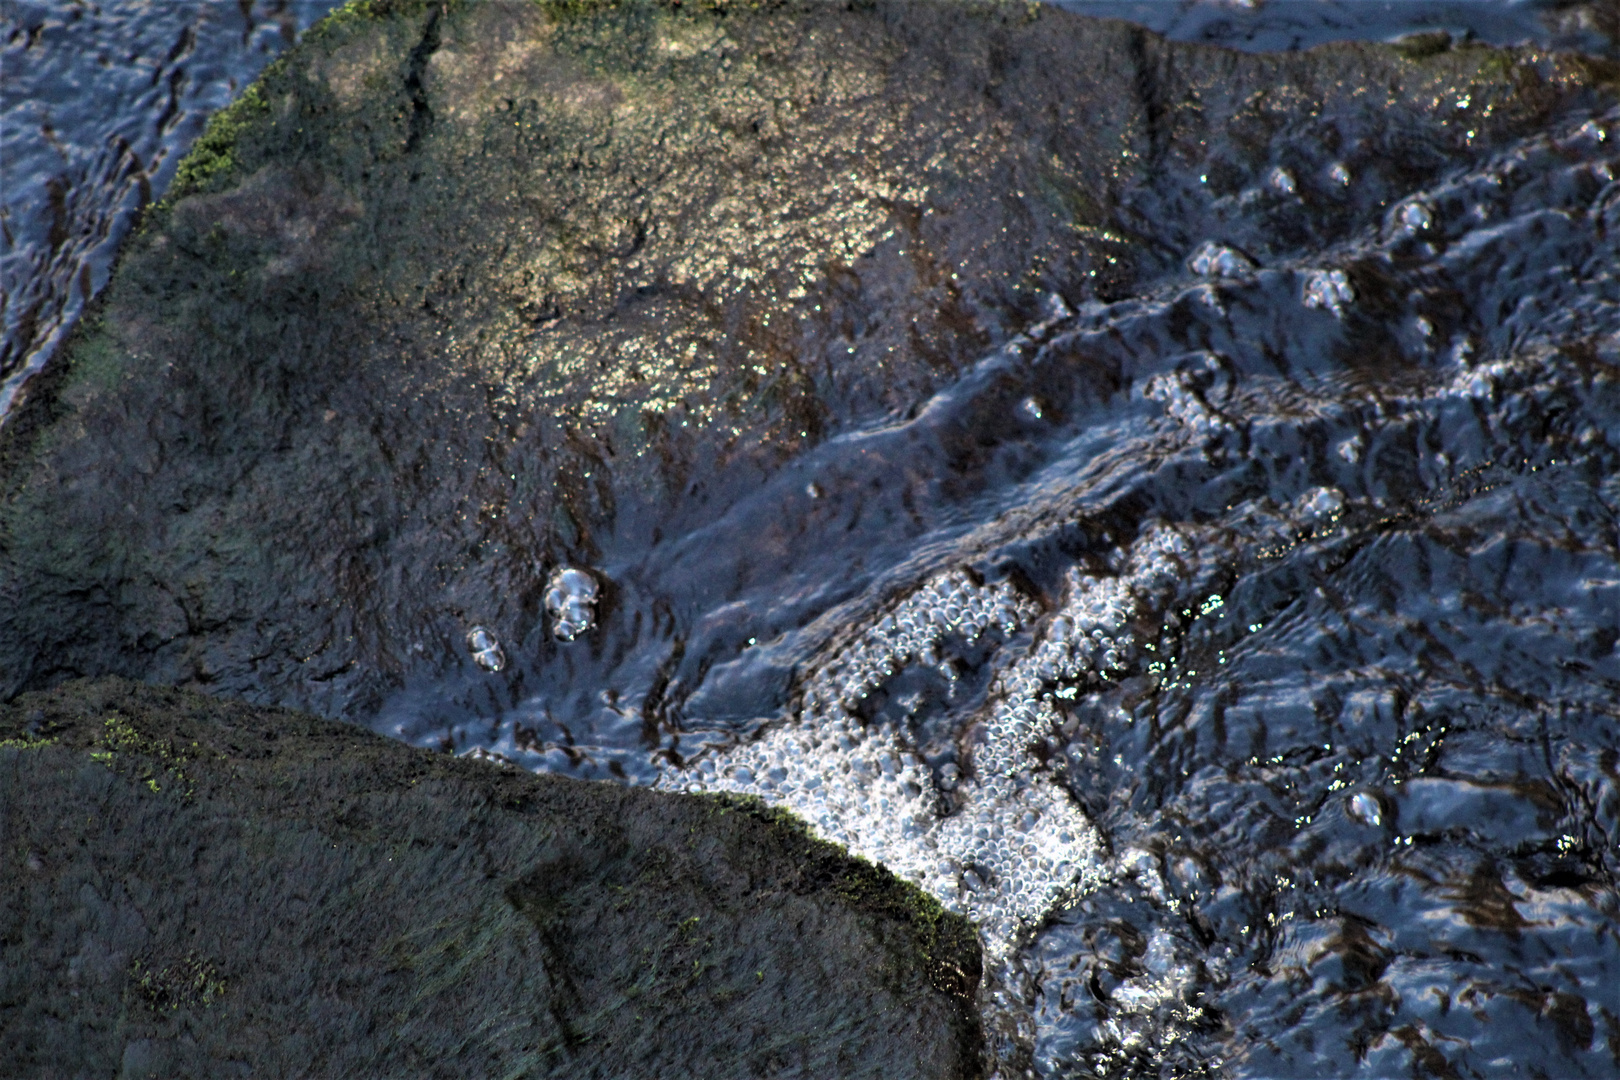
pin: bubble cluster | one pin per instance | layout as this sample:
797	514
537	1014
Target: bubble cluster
571	602
1217	260
1329	289
1168	972
1009	843
1414	217
1322	503
1182	400
486	649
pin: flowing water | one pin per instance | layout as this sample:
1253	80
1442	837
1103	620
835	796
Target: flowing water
1243	655
98	103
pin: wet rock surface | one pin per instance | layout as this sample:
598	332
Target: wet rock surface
200	888
460	295
1174	524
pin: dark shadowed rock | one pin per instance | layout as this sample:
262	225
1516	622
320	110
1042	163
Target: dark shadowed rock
462	292
197	888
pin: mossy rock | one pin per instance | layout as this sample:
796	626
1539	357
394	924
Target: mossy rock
200	888
460	291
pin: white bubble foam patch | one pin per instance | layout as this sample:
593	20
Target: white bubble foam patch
1013	843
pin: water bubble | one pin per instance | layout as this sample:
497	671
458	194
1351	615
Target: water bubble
1365	809
1330	289
570	600
485	649
1415	217
1219	260
1323	502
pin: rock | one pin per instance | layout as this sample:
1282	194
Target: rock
458	294
201	888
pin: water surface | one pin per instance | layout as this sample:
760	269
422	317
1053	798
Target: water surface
1241	653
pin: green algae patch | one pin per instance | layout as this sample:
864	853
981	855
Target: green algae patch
156	764
213	155
192	980
393	906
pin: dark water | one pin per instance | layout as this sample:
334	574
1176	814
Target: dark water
98	103
1346	522
1262	25
1242	654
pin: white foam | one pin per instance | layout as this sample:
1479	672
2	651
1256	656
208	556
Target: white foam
1014	844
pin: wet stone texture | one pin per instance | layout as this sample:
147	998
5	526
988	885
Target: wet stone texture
454	297
199	888
1159	500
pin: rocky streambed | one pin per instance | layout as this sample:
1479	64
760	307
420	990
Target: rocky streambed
1154	499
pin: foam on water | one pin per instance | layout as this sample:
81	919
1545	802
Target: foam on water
1006	842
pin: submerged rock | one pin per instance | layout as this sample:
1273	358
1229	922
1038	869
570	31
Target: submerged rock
198	888
459	292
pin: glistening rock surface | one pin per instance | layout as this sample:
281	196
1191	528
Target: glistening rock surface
197	888
462	292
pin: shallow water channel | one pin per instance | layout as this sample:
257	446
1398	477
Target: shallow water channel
1243	654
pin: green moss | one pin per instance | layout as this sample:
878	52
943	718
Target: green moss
119	736
191	980
356	13
1423	45
569	10
213	157
578	10
27	742
97	359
